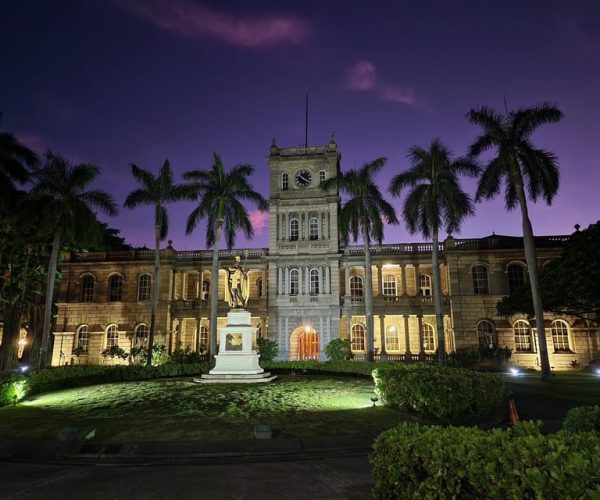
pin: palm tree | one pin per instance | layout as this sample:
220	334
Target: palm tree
61	189
435	202
363	214
156	191
220	194
15	158
524	170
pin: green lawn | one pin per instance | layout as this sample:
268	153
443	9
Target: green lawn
178	409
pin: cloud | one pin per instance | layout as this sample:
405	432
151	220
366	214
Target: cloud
259	220
189	19
362	77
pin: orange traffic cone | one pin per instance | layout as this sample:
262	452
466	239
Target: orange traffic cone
513	416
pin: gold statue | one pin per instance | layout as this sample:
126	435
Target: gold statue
238	286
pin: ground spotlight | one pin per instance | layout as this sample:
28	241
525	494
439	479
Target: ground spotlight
514	371
24	368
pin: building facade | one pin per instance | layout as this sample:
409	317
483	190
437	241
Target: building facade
307	289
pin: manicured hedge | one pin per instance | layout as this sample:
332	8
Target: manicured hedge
324	367
583	419
416	461
447	394
63	377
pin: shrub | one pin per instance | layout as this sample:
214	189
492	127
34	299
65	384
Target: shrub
583	419
447	394
12	389
52	379
358	368
339	350
115	352
483	358
416	461
267	349
186	356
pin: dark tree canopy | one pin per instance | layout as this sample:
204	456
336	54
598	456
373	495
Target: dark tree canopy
569	284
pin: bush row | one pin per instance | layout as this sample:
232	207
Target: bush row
583	419
323	367
416	461
447	394
64	377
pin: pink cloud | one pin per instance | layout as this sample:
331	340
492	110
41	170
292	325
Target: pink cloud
361	77
397	93
187	18
259	220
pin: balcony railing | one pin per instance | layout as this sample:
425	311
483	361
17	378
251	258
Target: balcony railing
144	254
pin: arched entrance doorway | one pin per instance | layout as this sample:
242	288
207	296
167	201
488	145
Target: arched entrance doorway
304	343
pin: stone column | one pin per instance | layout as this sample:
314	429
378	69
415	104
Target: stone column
404	289
179	336
421	342
263	278
181	285
382	330
321	281
407	334
347	279
197	337
379	280
349	326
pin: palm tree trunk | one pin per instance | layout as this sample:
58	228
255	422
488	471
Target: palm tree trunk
531	257
437	299
52	265
10	335
369	297
155	292
214	290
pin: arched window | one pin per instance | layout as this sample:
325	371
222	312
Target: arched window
425	285
560	336
285	182
87	288
205	289
294	230
112	336
83	338
203	338
313	228
294	281
141	336
321	175
314	281
516	277
428	338
356	286
522	336
115	288
486	334
144	283
357	338
389	285
481	284
392	339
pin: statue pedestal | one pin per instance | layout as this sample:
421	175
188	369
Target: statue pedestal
236	361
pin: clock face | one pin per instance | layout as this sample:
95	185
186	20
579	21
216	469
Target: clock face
303	178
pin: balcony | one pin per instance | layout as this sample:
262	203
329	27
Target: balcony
397	304
192	308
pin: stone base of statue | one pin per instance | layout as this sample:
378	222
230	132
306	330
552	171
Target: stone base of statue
236	362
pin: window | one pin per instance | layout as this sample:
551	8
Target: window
87	288
314	281
141	336
115	288
203	338
144	283
428	338
294	230
83	338
480	280
389	285
191	285
486	335
392	340
205	289
357	339
516	277
112	336
356	286
294	281
313	229
285	182
259	287
425	285
321	175
522	336
560	336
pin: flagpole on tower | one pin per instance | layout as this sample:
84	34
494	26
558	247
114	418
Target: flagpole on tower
306	123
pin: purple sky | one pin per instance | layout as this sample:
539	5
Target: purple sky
120	81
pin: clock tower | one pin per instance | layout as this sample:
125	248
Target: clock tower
304	271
